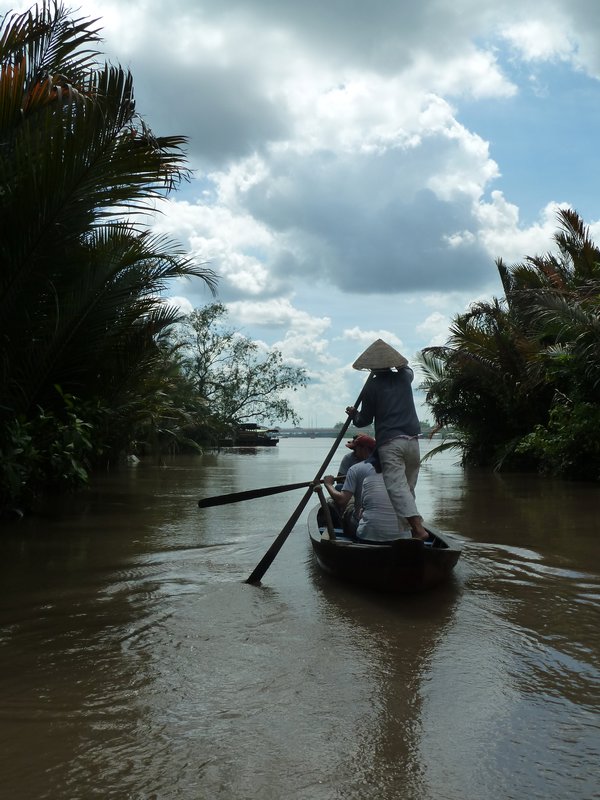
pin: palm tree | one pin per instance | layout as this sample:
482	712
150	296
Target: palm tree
81	277
508	363
479	383
556	296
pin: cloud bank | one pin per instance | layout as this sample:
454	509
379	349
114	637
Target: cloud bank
343	187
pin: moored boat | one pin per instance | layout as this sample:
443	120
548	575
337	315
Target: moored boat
402	565
250	434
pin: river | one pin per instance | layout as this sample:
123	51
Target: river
135	662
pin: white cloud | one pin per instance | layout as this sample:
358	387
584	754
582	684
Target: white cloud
278	313
367	337
182	303
435	329
502	235
539	39
339	193
473	73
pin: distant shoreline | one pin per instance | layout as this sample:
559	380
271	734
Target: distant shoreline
327	433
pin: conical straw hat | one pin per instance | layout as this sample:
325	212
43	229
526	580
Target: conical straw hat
380	355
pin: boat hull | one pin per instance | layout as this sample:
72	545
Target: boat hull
405	565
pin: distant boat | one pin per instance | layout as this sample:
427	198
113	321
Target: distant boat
249	434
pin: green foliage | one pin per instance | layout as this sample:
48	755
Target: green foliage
569	445
44	452
479	384
496	379
80	284
231	378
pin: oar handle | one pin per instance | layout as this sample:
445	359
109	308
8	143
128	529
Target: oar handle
251	494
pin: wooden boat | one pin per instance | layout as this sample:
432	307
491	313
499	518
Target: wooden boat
403	565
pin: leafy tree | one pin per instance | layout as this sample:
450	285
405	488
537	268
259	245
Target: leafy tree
81	277
568	445
515	369
563	310
234	380
480	385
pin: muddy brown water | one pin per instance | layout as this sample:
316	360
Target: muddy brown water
135	662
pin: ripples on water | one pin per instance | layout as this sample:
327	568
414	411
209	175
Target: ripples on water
136	663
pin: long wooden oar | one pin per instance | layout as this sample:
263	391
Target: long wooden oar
251	494
269	556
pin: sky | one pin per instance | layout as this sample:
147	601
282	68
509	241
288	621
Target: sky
358	168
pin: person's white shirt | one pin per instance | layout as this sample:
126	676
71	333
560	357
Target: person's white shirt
378	521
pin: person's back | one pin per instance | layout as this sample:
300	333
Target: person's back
349	460
388	400
378	519
354	481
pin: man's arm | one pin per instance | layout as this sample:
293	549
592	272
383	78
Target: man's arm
340	498
363	417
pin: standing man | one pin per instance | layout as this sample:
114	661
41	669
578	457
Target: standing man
388	400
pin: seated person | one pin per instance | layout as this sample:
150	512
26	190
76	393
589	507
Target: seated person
378	521
347	500
347	461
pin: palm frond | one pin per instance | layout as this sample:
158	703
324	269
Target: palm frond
454	444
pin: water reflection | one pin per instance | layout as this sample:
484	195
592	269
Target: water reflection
524	662
394	644
135	662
